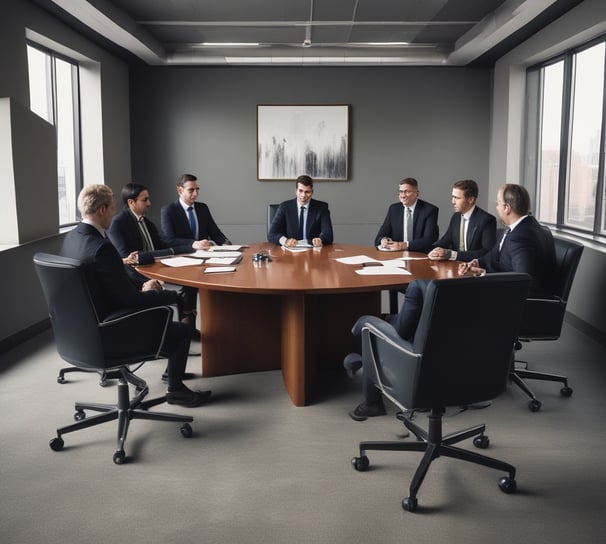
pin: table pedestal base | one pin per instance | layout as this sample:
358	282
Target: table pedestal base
295	332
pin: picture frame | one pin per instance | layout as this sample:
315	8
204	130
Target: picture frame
297	139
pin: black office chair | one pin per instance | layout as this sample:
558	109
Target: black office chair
271	212
107	346
461	355
543	319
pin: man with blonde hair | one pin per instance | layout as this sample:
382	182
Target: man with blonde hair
112	290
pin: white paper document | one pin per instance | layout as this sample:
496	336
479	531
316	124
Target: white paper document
382	271
217	269
223	260
225	248
181	261
369	261
405	258
297	249
357	259
208	254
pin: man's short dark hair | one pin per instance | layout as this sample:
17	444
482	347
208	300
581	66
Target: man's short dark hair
468	186
517	197
410	181
184	178
305	180
131	191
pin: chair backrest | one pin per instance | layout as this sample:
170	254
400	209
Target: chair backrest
462	349
568	255
271	211
72	314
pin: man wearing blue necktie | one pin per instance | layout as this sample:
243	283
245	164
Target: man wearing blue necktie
181	226
302	218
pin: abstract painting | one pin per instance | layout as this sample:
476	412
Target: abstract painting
300	139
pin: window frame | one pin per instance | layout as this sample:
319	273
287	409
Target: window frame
533	139
77	120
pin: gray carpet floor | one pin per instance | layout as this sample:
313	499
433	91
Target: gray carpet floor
258	469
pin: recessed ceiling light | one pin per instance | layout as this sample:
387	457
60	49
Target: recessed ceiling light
229	44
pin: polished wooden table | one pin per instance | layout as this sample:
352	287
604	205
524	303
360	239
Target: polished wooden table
293	313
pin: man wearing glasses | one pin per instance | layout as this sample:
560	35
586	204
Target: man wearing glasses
411	224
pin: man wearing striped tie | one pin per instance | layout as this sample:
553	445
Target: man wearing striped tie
471	232
138	242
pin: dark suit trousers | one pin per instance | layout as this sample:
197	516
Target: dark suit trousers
405	323
176	348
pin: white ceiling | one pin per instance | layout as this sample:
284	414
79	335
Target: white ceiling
309	32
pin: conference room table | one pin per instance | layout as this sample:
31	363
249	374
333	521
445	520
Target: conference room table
292	313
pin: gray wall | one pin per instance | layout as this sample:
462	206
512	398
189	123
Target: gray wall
429	123
23	307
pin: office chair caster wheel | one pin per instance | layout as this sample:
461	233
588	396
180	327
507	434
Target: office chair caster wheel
186	430
481	442
79	415
119	457
534	405
566	391
61	379
360	463
56	444
410	504
507	484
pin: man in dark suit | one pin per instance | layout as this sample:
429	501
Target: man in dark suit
405	323
302	218
112	290
525	247
472	232
138	242
411	224
186	221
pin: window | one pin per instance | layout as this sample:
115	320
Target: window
568	121
54	96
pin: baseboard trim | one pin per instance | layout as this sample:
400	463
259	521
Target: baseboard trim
22	336
586	328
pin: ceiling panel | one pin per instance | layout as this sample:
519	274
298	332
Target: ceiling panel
450	32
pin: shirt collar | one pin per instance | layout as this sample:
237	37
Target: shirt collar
93	224
514	225
185	206
467	214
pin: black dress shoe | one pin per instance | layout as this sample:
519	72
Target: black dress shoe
188	398
186	376
364	411
352	363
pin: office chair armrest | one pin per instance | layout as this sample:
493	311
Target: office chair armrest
132	336
386	331
542	318
390	362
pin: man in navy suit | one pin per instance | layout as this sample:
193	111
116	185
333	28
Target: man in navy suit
112	290
138	242
186	221
136	237
302	218
472	232
525	247
411	224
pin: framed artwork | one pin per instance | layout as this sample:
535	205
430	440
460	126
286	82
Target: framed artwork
300	139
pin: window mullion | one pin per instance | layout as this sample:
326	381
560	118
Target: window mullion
565	138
